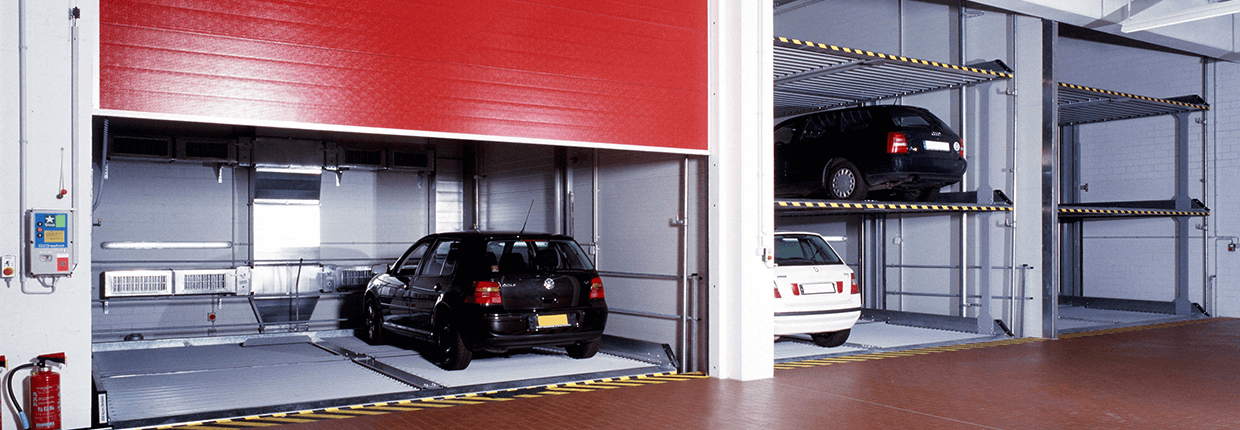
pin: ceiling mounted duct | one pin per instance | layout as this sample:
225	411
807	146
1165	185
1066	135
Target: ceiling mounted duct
287	153
287	184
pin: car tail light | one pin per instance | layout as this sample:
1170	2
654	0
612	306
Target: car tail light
487	293
855	289
796	289
839	287
596	288
960	147
777	292
897	143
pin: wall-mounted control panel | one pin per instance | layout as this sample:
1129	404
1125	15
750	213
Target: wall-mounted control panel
50	247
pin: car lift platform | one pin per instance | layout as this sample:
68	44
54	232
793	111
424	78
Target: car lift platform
161	382
947	202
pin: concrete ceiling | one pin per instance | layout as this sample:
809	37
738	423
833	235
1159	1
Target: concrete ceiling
1202	27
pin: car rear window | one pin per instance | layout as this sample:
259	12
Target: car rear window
803	250
515	256
913	119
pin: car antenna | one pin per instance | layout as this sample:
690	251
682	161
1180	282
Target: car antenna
527	217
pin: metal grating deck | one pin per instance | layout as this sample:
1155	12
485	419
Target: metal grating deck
1083	105
814	76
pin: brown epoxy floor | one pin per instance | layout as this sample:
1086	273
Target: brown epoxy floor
1177	375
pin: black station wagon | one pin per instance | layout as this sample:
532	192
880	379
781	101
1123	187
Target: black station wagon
904	152
489	291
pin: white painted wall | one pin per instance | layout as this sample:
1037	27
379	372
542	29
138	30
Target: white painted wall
60	321
1224	176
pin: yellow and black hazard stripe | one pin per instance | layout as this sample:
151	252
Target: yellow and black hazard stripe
1134	96
382	408
891	57
891	206
1149	212
905	353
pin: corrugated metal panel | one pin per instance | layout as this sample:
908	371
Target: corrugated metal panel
518	180
630	72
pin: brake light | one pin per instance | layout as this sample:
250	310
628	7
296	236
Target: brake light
897	143
487	293
839	287
796	289
777	292
960	147
596	288
855	289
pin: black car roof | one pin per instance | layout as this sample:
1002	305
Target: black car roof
474	234
854	108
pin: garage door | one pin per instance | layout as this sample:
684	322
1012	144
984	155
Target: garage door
628	72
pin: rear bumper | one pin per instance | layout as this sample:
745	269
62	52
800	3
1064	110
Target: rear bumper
815	321
903	171
520	330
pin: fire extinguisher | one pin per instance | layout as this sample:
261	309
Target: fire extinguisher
44	393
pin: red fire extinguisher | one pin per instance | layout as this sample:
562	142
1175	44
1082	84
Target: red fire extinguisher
44	393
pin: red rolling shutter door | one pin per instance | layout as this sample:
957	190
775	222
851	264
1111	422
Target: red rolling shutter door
629	72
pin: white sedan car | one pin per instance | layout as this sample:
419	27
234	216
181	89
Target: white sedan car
815	292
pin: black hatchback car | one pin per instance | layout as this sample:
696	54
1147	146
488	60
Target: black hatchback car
900	150
487	291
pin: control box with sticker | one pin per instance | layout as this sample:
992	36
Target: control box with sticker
50	247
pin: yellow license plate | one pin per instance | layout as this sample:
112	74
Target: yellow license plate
553	320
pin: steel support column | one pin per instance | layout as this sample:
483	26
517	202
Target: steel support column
1182	203
1050	181
985	322
1072	244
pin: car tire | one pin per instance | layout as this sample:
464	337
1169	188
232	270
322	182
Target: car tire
374	323
451	352
843	181
581	350
831	339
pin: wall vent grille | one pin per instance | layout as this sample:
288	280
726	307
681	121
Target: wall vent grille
355	277
358	157
412	160
139	146
128	283
205	281
206	149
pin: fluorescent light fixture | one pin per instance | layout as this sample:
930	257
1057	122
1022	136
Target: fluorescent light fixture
166	245
1141	23
300	170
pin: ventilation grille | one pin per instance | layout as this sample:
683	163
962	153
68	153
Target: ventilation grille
145	147
355	277
206	281
411	160
137	283
205	149
358	157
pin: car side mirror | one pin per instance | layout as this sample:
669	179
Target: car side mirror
380	269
